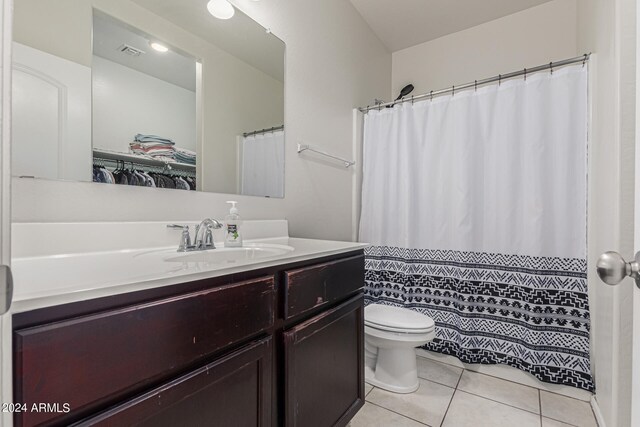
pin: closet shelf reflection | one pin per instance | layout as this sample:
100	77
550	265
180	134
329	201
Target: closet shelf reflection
141	160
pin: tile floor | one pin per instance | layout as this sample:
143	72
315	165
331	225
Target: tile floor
453	397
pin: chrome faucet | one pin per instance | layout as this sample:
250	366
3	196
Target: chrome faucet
204	235
203	239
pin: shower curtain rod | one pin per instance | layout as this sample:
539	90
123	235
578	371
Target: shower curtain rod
550	66
266	130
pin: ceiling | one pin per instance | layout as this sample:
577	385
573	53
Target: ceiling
240	36
404	23
173	67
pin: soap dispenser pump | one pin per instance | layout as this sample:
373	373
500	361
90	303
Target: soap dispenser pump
232	223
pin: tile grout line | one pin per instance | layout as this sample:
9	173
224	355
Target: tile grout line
566	397
593	412
540	406
501	403
563	422
455	390
503	379
497	401
439	383
369	392
397	413
496	377
515	407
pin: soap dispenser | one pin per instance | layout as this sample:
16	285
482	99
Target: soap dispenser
232	223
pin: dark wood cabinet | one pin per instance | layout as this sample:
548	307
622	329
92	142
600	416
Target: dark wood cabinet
268	347
88	360
235	390
324	374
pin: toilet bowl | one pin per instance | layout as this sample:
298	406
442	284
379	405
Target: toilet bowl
391	335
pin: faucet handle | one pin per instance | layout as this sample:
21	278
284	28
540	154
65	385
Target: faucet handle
206	241
208	238
178	226
185	239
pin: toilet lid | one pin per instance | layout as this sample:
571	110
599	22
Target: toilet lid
396	318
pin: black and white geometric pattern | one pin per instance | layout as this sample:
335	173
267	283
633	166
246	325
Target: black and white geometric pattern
528	312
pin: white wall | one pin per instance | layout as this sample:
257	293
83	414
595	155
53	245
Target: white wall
608	29
334	63
529	38
127	102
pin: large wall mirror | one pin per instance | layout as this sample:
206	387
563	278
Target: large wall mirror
155	93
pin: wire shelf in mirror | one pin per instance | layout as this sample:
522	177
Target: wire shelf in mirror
141	160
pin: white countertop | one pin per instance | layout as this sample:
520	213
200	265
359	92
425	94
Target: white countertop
53	279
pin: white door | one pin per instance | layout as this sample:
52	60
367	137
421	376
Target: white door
55	94
5	200
613	268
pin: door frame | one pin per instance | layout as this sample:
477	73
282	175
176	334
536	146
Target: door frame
6	29
635	344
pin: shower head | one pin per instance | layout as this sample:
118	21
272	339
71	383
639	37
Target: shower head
405	91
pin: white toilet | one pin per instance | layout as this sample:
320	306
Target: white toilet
391	335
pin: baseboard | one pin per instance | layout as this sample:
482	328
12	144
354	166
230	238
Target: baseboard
596	412
510	374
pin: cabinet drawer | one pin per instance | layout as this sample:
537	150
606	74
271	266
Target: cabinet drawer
94	360
235	390
314	286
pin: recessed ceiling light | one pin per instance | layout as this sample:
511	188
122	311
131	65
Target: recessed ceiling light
221	9
159	47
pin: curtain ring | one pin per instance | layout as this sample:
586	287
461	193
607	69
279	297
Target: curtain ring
525	74
475	85
431	94
584	61
411	99
499	79
551	67
453	90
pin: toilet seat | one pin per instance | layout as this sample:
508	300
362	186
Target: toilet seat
384	328
397	319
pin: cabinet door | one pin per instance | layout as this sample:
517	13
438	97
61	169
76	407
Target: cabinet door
232	391
324	367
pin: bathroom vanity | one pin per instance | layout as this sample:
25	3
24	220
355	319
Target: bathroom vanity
277	340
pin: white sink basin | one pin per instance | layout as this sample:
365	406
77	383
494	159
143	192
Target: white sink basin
224	255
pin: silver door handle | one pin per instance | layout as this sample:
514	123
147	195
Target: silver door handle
612	268
6	288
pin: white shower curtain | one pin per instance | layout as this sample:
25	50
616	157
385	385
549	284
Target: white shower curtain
263	165
475	205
